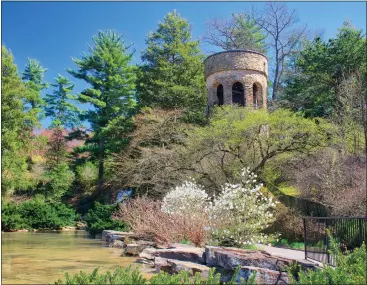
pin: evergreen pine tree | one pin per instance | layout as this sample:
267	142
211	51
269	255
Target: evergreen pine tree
33	79
321	66
59	104
64	114
16	128
111	93
172	73
247	34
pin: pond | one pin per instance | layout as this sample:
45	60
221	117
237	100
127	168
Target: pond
42	258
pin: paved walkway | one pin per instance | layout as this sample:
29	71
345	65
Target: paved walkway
287	253
284	252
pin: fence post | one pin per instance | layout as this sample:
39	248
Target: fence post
304	236
360	231
327	240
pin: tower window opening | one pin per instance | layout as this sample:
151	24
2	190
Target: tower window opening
257	96
220	95
238	94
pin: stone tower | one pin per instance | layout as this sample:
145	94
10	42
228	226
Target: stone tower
238	77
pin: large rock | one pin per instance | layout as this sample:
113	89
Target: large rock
230	258
145	261
191	267
173	266
148	253
192	254
134	248
68	228
81	226
263	275
117	244
108	235
161	264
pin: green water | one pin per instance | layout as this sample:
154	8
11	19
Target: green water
42	258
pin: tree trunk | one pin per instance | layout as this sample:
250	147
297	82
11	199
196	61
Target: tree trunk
101	166
276	75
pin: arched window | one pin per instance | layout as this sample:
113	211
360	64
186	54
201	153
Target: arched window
257	96
220	95
238	94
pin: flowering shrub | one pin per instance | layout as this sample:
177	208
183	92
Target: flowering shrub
188	198
237	216
147	220
249	179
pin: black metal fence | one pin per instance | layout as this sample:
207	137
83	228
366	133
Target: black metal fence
349	233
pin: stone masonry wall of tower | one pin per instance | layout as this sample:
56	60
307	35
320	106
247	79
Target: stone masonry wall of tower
246	67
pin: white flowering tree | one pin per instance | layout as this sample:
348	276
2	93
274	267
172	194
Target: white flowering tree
241	212
237	215
188	198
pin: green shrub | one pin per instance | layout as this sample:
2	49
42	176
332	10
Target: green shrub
297	245
10	217
66	214
350	269
286	243
36	214
133	276
119	276
39	214
99	218
283	242
183	278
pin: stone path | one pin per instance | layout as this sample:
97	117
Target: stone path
284	252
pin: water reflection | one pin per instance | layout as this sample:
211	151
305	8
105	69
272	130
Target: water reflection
42	258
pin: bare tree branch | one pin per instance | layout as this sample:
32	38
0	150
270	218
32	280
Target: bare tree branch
241	32
278	23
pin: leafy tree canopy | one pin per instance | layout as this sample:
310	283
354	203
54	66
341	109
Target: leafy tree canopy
321	66
238	137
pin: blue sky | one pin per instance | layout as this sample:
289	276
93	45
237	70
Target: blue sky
53	32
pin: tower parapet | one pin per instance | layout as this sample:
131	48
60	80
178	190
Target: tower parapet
237	77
